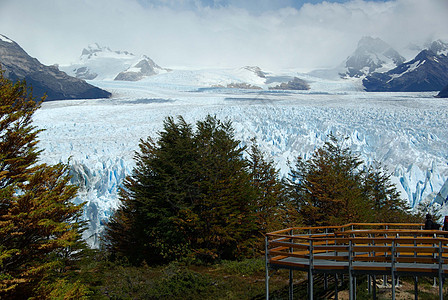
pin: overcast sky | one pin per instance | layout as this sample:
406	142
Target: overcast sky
272	34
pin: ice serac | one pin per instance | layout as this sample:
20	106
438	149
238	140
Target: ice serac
57	85
428	71
101	63
371	55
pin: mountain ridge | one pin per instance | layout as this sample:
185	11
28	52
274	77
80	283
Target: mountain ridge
428	71
101	63
45	80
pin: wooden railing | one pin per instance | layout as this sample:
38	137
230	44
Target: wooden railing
360	248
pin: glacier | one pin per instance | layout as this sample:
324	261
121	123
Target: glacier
406	132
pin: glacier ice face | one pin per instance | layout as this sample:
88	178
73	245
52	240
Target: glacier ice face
406	132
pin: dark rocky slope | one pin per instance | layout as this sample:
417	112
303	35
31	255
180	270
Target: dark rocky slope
49	80
443	93
428	71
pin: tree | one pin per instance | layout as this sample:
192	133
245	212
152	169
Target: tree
39	232
160	190
273	210
384	197
334	187
189	195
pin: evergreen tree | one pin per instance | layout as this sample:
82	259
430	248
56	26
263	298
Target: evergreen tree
273	210
333	187
327	187
226	226
146	226
189	194
39	232
385	199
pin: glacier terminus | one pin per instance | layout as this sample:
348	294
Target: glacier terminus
405	131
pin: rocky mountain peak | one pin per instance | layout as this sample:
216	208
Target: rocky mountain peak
49	80
428	71
439	48
371	55
5	39
96	50
257	70
102	63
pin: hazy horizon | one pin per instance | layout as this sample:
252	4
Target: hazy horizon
282	34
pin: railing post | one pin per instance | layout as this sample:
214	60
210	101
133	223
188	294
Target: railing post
374	287
291	284
440	271
385	255
336	283
392	258
266	266
310	271
369	278
350	275
415	288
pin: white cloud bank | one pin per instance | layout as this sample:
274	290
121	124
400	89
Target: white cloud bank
316	35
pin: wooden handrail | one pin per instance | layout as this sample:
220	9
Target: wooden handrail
360	243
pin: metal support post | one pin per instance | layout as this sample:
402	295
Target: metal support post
266	266
336	283
415	287
291	284
392	259
350	275
374	287
440	272
310	271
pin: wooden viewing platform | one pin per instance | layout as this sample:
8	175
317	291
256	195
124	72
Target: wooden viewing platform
359	249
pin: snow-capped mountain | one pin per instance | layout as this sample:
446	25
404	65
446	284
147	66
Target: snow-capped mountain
102	63
428	71
57	85
371	55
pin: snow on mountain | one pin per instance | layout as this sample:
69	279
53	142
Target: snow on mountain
428	71
102	63
405	131
45	80
371	55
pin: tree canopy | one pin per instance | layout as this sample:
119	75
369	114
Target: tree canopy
334	187
39	232
189	195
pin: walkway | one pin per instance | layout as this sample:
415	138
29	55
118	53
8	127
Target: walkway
359	249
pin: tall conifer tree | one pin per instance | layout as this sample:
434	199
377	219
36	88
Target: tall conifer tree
333	187
38	230
273	210
189	194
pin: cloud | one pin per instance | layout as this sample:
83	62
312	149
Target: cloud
219	33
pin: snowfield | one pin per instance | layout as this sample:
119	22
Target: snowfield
406	132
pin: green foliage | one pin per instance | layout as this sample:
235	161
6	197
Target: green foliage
190	194
333	187
384	197
246	267
39	232
273	210
180	283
